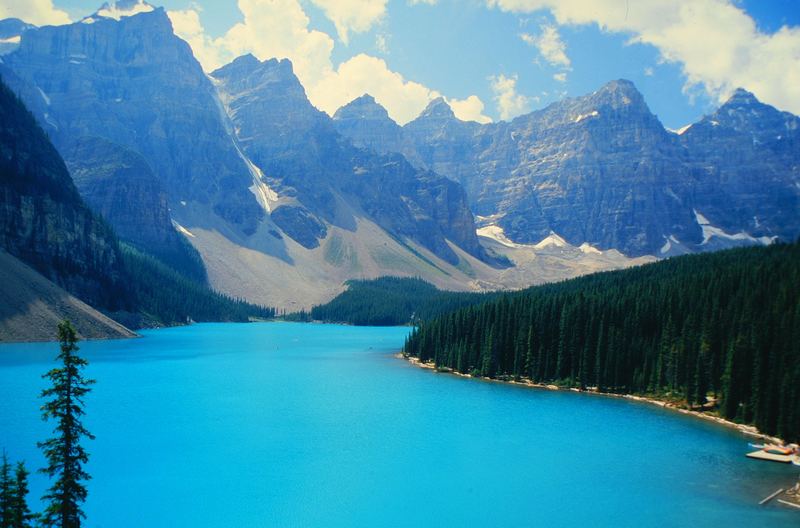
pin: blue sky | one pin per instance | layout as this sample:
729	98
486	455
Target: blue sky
498	58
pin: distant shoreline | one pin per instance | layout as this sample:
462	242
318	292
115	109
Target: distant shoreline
745	429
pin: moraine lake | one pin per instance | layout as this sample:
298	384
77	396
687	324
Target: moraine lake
280	424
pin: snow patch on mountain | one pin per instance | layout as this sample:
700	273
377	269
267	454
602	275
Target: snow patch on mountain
667	247
44	96
182	229
589	249
681	130
551	240
497	234
581	117
710	231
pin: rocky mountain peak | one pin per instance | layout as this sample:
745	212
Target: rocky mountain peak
242	65
13	27
742	97
363	108
281	67
11	30
743	112
123	75
620	93
437	109
248	71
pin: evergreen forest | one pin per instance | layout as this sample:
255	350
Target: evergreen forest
392	301
161	295
716	331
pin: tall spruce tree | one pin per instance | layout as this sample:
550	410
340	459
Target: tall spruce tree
64	452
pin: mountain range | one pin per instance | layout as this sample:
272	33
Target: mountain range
601	169
236	179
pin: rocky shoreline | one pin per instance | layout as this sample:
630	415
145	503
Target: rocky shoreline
748	430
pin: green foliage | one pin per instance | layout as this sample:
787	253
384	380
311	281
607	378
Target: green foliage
21	515
183	258
168	297
14	512
723	327
6	493
64	453
391	301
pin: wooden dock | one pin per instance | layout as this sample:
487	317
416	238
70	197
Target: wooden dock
774	457
770	497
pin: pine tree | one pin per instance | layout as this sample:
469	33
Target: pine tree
64	452
21	516
6	493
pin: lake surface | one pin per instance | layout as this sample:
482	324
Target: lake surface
281	424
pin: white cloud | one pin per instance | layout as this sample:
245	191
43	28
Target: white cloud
648	71
186	25
560	77
510	104
352	15
417	2
469	109
37	12
280	29
550	45
403	99
382	43
717	44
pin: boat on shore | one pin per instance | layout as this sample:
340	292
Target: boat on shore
776	453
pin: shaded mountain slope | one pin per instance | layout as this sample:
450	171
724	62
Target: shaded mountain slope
32	307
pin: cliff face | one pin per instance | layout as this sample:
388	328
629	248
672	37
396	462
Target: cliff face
304	157
369	126
43	221
118	184
242	153
134	83
601	169
745	158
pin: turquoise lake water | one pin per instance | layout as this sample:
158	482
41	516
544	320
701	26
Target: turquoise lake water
280	424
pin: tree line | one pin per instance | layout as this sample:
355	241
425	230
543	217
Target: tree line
391	301
157	294
718	330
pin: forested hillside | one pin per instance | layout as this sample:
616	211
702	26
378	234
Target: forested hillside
721	328
161	295
390	301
